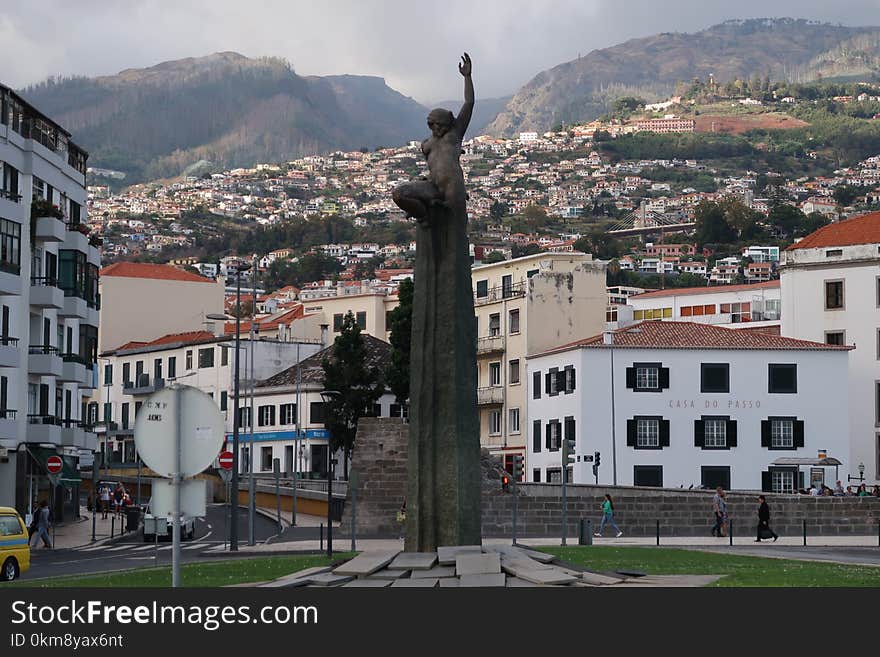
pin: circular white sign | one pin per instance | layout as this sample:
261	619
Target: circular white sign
202	430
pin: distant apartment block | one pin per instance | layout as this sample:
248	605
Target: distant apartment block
665	125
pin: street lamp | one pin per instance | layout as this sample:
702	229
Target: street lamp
328	396
233	529
861	476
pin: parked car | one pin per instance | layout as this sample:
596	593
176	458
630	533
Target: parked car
15	551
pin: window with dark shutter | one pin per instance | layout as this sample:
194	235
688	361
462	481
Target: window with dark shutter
536	385
568	379
631	433
560	382
536	436
647	377
765	437
631	378
569	428
782	378
664	378
766	485
536	475
547	378
664	433
548	438
798	433
714	377
699	433
731	433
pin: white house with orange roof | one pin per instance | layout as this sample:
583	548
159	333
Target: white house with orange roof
831	293
681	404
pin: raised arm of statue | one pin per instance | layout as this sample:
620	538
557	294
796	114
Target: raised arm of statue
464	116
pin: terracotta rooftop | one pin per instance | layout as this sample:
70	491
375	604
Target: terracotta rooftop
158	272
656	334
188	337
268	323
706	289
857	230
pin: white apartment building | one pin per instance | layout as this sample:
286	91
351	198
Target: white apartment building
681	404
831	293
761	253
49	297
741	305
201	359
525	306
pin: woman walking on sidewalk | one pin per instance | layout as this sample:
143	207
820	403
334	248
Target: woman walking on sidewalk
764	530
608	516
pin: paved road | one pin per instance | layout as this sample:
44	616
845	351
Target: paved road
133	552
847	555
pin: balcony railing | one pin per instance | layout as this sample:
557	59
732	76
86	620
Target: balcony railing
75	358
6	341
42	349
511	291
490	344
15	197
44	419
44	281
143	385
7	414
491	396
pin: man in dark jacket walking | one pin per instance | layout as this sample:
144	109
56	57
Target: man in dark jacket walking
764	530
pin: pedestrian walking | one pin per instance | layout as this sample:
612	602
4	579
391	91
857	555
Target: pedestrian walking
105	500
719	509
764	530
43	524
608	516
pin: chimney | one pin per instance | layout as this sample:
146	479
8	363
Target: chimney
608	337
324	330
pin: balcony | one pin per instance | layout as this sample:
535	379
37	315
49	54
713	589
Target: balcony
44	361
9	354
45	293
119	431
491	396
144	385
493	344
76	239
75	433
73	370
44	429
93	255
50	229
74	307
8	424
512	291
10	280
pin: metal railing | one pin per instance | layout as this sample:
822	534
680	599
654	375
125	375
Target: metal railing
43	349
11	196
44	281
7	414
6	341
44	419
502	292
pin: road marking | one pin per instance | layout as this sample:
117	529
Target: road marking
92	549
193	547
142	548
117	549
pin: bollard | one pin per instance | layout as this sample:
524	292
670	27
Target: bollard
321	534
112	525
658	532
586	532
805	533
730	531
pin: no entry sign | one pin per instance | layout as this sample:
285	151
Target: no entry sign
225	460
54	464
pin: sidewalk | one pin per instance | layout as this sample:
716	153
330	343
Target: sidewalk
78	532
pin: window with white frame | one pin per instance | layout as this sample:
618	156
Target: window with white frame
647	378
513	420
266	415
495	423
554	475
513	321
782	481
781	434
494	374
648	433
714	433
514	371
287	413
494	324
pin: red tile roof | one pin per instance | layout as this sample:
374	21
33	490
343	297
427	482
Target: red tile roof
705	289
158	272
188	337
857	230
656	334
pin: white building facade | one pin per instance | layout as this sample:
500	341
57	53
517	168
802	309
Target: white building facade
679	404
48	293
831	293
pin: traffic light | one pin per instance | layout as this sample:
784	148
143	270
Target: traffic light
505	482
518	470
596	459
568	451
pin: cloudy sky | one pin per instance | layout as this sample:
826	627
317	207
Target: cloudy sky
413	44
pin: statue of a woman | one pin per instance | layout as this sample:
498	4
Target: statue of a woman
443	498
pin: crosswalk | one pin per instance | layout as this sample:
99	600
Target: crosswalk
141	549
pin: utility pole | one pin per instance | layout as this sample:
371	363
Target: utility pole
296	440
233	527
252	503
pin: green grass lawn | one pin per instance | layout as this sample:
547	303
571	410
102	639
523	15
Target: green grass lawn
739	570
213	573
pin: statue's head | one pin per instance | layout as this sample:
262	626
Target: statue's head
440	121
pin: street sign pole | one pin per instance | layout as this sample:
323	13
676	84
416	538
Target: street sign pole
276	466
96	463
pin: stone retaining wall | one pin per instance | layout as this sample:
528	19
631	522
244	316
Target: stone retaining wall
380	466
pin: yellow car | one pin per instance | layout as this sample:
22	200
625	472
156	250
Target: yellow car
15	551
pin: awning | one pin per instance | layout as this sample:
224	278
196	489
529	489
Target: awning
794	460
69	473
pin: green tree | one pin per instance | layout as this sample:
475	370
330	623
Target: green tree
400	324
493	257
359	386
785	218
498	210
846	194
711	224
518	251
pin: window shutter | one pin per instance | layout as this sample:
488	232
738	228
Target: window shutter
631	378
731	433
631	433
536	436
663	378
664	433
798	431
800	480
573	378
766	482
44	399
569	427
536	385
560	382
549	436
765	433
699	434
547	379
